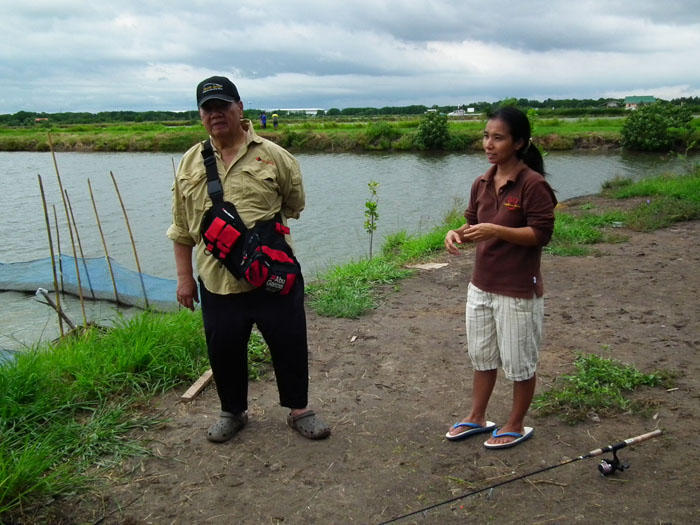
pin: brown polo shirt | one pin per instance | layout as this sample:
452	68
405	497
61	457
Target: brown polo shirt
525	200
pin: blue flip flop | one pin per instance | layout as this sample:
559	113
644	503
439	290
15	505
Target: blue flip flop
470	430
519	438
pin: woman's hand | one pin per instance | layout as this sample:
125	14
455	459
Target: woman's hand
451	238
481	232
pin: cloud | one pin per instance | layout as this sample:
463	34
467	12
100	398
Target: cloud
76	55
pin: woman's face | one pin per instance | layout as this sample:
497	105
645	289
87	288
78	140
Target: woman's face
498	142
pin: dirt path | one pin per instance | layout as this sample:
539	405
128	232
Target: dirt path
392	382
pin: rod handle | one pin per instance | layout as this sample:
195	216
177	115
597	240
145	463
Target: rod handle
626	442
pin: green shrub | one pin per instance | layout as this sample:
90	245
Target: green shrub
433	132
658	127
459	142
381	132
404	143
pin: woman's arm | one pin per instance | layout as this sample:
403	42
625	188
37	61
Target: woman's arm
524	236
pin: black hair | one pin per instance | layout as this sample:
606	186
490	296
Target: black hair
519	126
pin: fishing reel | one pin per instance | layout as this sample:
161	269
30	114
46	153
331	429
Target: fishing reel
606	468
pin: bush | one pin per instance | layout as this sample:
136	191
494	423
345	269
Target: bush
658	127
381	131
433	132
459	142
404	143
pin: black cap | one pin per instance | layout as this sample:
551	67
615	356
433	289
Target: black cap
216	87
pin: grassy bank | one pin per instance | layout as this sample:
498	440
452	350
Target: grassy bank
348	291
304	135
69	410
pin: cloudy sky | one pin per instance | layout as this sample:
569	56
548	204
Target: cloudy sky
103	55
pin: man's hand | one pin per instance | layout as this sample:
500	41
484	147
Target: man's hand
187	292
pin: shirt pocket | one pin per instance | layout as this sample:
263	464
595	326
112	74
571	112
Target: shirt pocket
193	192
258	188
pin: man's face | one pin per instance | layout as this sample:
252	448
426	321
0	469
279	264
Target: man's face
221	119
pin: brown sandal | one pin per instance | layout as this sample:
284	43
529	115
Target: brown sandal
309	425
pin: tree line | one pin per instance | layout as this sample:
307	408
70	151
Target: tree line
561	107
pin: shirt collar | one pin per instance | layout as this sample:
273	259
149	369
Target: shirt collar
251	136
491	172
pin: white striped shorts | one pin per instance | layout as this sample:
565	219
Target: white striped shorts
504	331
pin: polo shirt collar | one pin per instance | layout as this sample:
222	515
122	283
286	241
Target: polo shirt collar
491	173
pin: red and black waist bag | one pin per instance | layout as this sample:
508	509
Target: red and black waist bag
259	255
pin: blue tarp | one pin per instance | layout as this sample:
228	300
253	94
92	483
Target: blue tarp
132	288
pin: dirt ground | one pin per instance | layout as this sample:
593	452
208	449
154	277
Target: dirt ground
392	382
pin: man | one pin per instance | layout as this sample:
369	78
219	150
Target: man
261	179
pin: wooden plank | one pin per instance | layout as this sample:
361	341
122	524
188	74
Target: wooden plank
197	386
428	266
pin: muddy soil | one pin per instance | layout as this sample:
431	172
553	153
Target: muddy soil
391	383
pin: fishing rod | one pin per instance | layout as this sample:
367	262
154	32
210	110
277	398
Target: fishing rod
605	468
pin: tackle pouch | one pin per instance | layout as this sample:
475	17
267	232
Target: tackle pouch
268	261
222	234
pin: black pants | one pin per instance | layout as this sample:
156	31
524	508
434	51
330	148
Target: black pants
228	321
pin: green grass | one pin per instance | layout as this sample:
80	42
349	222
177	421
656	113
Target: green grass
317	134
387	133
597	387
68	409
573	235
669	199
258	356
350	290
665	200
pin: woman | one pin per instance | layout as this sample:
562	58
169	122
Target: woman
510	217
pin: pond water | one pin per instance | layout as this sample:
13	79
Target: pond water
414	194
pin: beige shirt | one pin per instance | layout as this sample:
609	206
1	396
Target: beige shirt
262	180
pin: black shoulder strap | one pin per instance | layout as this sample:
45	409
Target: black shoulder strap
214	187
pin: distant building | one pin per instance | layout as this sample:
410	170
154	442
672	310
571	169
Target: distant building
634	102
303	111
612	104
40	119
459	112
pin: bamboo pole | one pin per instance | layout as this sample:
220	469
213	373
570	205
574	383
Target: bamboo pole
80	246
133	244
45	294
77	271
104	244
53	261
60	187
58	247
64	198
